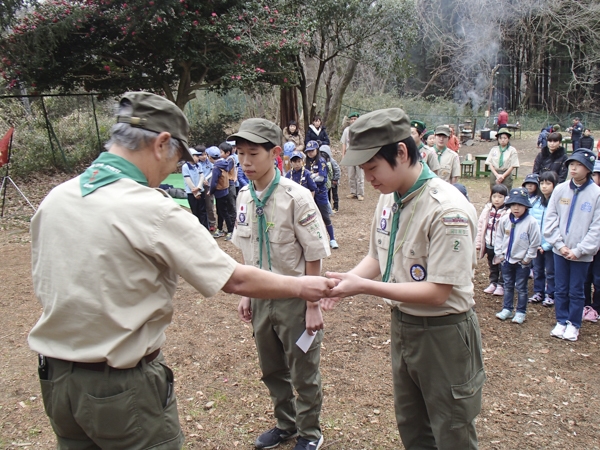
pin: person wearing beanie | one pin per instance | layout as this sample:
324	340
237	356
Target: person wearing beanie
572	227
516	243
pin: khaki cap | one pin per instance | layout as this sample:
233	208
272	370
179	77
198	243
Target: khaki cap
443	129
503	131
155	113
259	131
374	130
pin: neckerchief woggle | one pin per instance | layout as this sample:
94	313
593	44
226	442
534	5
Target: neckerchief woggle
511	237
263	226
425	175
440	152
107	169
577	190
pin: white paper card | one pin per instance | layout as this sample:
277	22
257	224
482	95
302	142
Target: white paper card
305	341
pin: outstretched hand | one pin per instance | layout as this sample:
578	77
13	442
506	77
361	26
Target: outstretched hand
347	284
314	288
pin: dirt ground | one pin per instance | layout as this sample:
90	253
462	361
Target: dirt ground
541	392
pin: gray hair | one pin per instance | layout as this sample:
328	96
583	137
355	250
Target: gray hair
132	138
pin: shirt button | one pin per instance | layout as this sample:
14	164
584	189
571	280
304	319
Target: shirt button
412	252
379	241
257	263
434	191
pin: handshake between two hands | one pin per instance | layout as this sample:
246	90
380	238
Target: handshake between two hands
329	291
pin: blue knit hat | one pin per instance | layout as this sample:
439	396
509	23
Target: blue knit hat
583	156
518	196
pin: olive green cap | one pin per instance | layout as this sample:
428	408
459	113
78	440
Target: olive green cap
259	131
353	114
155	113
372	131
503	131
443	129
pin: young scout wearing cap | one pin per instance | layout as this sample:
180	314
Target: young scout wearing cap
502	159
449	161
299	174
356	176
428	155
516	243
572	227
422	244
106	251
279	229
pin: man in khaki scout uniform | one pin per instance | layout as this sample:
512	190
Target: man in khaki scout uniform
422	246
449	161
106	251
279	229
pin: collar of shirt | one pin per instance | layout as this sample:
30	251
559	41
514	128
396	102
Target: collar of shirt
107	169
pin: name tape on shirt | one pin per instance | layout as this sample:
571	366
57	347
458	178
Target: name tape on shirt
307	218
455	220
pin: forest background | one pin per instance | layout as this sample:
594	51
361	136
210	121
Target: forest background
443	61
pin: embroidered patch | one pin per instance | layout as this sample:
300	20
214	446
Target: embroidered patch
385	213
524	236
242	217
456	246
307	218
383	224
455	220
379	230
418	272
586	207
457	231
565	201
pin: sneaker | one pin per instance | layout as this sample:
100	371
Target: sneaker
218	234
499	291
336	209
505	314
490	289
360	198
590	314
305	444
228	237
274	437
333	244
558	331
536	298
351	196
519	318
548	301
571	333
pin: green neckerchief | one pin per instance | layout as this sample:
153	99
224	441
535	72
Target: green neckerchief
263	226
501	160
421	145
425	175
440	152
107	169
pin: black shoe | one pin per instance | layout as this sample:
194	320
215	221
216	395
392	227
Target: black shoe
274	437
305	444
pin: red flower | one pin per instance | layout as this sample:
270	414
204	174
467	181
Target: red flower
214	14
159	19
195	23
107	68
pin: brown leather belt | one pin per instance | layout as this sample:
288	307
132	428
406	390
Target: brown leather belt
101	366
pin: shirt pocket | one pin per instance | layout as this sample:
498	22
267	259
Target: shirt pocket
415	259
285	250
242	237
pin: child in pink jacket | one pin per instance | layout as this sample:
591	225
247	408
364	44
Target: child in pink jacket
486	229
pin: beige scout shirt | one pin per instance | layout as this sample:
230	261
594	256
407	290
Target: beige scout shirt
435	242
429	156
105	270
511	158
449	165
297	233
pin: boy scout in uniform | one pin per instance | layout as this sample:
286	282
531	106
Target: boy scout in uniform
107	249
422	245
448	159
279	229
428	155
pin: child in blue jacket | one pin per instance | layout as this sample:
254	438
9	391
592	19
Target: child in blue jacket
318	168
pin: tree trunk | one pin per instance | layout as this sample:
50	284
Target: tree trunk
338	96
288	106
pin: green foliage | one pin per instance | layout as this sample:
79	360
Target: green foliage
73	123
173	47
213	130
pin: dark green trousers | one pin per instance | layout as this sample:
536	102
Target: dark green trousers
438	377
115	409
277	326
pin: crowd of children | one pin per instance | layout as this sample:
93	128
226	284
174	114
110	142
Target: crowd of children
548	231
